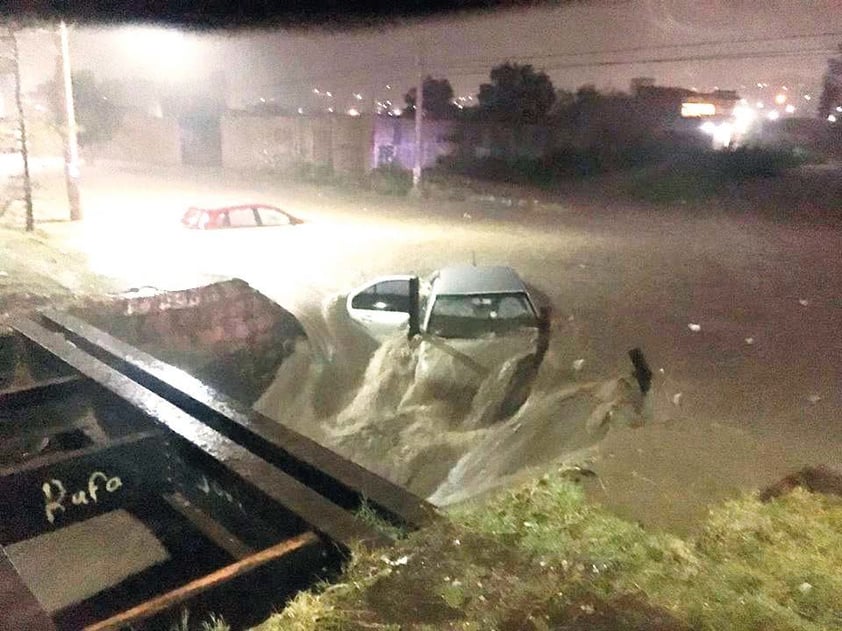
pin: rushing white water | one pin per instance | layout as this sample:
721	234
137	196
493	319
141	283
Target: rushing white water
449	418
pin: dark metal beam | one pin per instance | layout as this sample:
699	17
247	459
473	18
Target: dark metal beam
12	398
213	530
209	446
342	481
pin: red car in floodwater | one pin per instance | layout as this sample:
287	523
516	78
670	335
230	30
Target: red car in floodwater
244	216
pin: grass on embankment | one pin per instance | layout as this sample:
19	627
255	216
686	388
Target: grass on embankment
541	558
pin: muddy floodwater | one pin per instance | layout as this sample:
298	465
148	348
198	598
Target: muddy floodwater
450	419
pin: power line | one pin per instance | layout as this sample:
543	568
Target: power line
632	49
470	70
750	40
661	60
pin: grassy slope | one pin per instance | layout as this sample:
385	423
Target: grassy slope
539	557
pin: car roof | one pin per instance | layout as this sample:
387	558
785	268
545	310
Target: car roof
238	207
477	279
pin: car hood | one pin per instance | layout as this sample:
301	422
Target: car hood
470	361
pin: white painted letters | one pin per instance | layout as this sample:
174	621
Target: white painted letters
51	505
55	493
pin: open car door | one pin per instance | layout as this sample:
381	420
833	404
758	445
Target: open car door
381	306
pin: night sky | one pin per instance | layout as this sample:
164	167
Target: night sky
285	64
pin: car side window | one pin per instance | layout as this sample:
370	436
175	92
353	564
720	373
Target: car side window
242	218
389	295
272	217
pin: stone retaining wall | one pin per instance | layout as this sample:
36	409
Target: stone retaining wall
227	334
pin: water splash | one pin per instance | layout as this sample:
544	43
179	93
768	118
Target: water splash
450	418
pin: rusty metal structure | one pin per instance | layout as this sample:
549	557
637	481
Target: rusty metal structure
249	511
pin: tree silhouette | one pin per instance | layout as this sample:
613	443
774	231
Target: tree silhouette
517	93
96	116
831	97
438	97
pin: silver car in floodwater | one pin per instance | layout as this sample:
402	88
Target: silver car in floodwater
458	302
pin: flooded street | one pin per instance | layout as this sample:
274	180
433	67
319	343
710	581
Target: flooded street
738	316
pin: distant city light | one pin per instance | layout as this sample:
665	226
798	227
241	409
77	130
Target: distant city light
353	112
831	118
721	134
790	109
744	116
773	115
780	99
695	110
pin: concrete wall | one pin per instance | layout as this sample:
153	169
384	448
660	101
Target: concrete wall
281	142
264	142
144	139
351	139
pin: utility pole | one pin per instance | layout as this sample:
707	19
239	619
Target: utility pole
71	140
419	123
24	147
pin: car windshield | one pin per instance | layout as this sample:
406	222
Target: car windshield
475	315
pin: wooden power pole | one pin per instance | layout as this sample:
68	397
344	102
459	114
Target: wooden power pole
71	139
419	123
